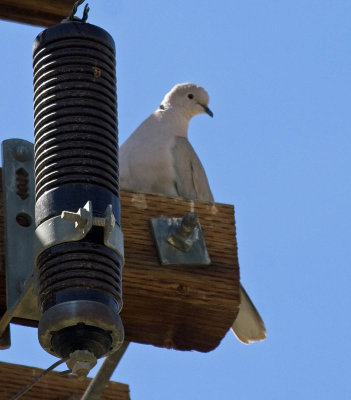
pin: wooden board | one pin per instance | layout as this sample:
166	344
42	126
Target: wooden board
35	12
53	386
180	307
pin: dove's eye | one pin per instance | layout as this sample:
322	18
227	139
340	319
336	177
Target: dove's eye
190	96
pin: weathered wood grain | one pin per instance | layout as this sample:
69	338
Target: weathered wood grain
180	307
35	12
52	386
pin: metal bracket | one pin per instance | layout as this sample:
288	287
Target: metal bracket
180	241
18	196
70	226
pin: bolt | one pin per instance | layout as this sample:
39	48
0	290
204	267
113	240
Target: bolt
98	221
182	237
188	224
81	362
84	219
81	369
74	217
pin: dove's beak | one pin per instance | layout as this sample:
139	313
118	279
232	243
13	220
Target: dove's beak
207	110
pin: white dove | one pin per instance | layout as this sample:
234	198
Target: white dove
158	158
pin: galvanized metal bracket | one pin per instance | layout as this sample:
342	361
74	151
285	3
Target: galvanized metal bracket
180	241
74	226
18	196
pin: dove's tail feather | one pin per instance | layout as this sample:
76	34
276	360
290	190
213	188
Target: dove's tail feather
248	326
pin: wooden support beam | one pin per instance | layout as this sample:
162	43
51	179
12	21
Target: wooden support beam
180	307
53	386
35	12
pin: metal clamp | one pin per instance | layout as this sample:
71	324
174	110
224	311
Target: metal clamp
74	226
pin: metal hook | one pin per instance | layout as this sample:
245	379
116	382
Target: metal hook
71	17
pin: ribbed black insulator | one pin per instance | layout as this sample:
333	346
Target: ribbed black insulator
79	271
75	112
76	161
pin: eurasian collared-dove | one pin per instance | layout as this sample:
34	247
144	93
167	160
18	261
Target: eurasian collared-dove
158	158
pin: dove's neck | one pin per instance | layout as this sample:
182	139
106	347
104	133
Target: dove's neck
178	122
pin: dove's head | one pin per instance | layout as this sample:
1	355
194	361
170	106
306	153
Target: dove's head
188	98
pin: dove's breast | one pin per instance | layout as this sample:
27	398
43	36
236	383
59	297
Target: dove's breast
146	165
158	158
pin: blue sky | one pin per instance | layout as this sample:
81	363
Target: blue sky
278	148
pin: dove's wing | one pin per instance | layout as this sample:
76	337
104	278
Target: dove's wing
146	161
190	177
191	183
248	326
